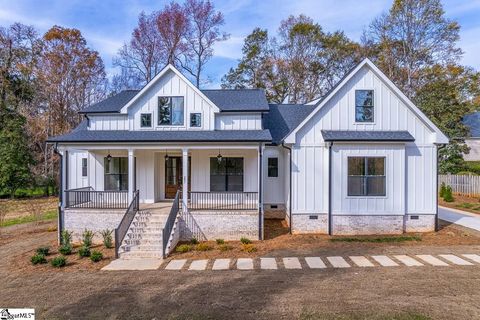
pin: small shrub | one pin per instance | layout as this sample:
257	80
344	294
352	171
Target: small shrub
65	249
96	256
245	240
443	188
194	241
87	237
448	196
248	247
220	241
107	238
203	247
58	262
84	251
225	247
43	250
183	248
52	229
66	237
38	258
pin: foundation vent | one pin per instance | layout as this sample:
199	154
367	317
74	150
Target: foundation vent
313	217
414	217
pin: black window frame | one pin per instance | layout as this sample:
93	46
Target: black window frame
141	120
272	167
170	108
192	115
366	177
363	107
122	173
227	169
84	167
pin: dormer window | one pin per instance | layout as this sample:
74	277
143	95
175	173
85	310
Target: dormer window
170	111
364	108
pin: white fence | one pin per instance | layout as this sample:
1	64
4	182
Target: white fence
466	185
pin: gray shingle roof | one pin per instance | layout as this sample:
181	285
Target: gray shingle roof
238	99
283	118
111	104
333	135
472	121
82	135
226	100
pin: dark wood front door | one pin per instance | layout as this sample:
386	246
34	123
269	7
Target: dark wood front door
173	176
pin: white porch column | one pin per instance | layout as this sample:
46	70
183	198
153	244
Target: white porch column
131	174
185	174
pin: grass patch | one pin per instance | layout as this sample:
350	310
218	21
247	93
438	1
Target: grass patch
468	205
378	239
49	215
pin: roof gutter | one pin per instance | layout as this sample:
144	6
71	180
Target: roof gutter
290	189
330	231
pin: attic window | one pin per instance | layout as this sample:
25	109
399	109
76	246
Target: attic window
146	120
195	120
364	109
170	111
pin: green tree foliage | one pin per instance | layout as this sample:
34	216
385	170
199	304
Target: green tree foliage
15	156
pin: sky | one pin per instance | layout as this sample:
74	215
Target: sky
107	24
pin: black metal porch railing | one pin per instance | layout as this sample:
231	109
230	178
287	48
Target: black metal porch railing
167	230
127	219
90	199
223	201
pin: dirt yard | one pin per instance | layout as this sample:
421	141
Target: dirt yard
469	204
18	208
81	291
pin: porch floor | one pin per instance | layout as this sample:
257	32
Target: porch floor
162	207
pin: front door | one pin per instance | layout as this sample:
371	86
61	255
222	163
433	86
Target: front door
173	176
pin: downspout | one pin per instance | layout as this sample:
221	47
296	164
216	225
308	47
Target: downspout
260	194
60	195
330	231
436	191
290	189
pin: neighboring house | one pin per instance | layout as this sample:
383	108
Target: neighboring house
361	160
473	141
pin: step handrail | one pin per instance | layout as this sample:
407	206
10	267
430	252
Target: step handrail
127	219
172	216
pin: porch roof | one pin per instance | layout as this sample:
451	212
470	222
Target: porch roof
347	135
164	136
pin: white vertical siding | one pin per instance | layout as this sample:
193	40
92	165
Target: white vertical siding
75	179
238	121
108	122
421	183
145	175
274	187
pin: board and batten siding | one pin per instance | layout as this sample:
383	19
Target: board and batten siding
75	179
274	187
172	85
108	122
310	152
238	121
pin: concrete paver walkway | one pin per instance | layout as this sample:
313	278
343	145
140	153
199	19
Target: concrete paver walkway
133	264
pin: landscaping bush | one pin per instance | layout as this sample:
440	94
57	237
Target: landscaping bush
183	248
203	247
220	241
225	247
66	237
84	251
248	247
448	196
245	240
107	238
43	250
443	188
194	241
87	237
58	262
65	249
96	256
38	258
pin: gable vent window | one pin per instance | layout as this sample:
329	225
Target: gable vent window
272	167
366	176
146	120
195	120
170	111
364	108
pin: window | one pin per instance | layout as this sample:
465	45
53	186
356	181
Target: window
84	167
273	167
366	176
226	174
364	106
116	174
145	120
195	120
170	111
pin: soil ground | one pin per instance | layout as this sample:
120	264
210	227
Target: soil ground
83	292
18	208
470	204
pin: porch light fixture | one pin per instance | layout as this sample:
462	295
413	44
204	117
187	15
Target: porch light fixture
109	156
219	157
166	155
